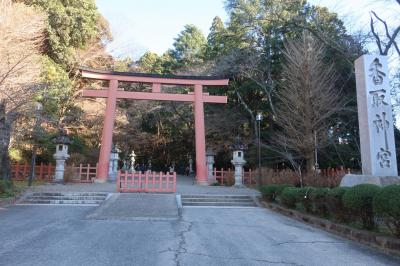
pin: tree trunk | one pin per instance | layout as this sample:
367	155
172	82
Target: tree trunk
310	161
5	136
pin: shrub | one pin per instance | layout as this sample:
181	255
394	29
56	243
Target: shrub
359	200
280	188
387	204
303	197
318	200
6	188
288	197
334	203
270	192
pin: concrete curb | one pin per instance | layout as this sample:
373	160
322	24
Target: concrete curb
386	244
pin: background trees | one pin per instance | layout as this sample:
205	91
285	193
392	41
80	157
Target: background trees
21	35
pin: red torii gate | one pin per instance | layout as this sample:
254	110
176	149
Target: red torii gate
112	93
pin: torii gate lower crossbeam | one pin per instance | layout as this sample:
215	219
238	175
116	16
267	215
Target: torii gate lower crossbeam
112	93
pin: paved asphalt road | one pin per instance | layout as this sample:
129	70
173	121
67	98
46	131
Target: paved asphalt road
61	235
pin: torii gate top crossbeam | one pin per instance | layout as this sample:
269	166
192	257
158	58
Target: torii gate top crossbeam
154	78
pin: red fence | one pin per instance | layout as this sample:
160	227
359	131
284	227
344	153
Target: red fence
43	172
77	174
147	182
226	177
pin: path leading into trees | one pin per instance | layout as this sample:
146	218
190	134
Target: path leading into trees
69	235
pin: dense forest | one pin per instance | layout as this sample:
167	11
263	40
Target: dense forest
270	50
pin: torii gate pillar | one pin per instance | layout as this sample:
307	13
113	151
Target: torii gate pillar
201	167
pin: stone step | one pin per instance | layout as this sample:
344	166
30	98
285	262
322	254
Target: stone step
66	197
71	202
220	204
216	196
216	200
100	194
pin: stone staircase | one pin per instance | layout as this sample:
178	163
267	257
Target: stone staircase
64	198
217	201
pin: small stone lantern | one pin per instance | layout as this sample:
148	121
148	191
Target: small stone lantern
210	166
238	161
62	142
113	166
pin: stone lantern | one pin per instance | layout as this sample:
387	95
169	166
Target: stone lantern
113	166
238	161
210	166
132	161
62	142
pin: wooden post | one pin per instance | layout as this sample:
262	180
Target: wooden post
118	181
174	182
25	170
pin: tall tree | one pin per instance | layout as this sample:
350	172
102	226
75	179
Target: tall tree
307	100
21	38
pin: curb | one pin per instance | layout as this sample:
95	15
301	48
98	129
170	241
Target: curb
386	244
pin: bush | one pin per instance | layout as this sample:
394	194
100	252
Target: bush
288	197
387	204
303	197
270	192
334	203
358	199
6	188
318	200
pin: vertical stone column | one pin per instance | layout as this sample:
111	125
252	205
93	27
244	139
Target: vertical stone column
60	156
113	168
210	167
378	151
201	172
238	161
106	137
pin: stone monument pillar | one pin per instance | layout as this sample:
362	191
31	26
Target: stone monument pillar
132	161
378	151
62	142
210	166
238	161
113	166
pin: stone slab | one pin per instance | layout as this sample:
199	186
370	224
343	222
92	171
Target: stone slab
137	206
351	180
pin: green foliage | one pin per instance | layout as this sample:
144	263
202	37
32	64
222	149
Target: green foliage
271	192
387	205
303	197
335	205
189	46
318	199
288	197
71	24
358	200
6	188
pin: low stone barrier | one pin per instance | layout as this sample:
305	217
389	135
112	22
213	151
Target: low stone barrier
387	244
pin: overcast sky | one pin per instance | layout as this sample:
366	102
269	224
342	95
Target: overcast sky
151	25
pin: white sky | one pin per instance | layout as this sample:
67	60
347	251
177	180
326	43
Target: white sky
152	25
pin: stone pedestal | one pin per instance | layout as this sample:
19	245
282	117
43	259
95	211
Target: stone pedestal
351	180
210	168
60	156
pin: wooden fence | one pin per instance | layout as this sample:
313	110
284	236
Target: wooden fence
82	173
226	177
146	182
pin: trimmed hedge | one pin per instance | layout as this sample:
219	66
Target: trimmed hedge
335	205
318	200
303	197
288	197
6	188
271	192
387	205
358	199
